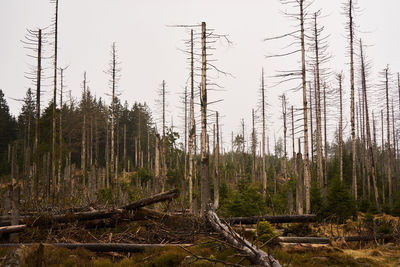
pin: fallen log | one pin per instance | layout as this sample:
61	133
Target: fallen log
301	239
45	220
100	247
273	219
255	255
12	229
325	240
365	237
152	200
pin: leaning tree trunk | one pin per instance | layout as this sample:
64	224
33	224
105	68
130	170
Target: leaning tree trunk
255	255
369	142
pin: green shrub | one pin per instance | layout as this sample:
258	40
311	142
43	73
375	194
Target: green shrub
265	231
104	195
340	203
246	201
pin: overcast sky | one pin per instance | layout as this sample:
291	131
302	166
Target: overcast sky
149	50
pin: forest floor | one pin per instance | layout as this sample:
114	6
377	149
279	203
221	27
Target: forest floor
204	252
206	247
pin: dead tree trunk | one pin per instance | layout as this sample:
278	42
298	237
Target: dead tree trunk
340	80
299	182
124	148
383	158
255	255
369	142
352	100
192	131
36	146
216	167
320	170
307	182
54	133
284	136
61	132
264	171
253	151
83	151
113	84
389	153
312	129
157	179
205	188
325	181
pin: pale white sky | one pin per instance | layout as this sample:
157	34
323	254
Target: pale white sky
149	50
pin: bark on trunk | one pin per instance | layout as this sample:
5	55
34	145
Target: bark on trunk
273	219
255	255
205	188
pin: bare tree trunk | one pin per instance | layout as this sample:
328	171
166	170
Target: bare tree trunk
393	161
107	152
36	146
369	142
318	115
264	171
157	167
253	151
124	148
284	136
183	193
54	133
83	152
139	139
216	167
299	182
113	85
205	188
352	105
192	131
148	150
364	159
312	130
375	154
340	80
136	153
383	158
61	133
307	182
163	142
325	182
389	153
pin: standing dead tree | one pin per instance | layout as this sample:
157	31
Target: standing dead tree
205	188
216	165
114	72
339	78
33	42
300	15
389	153
349	13
54	130
264	171
368	131
284	104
